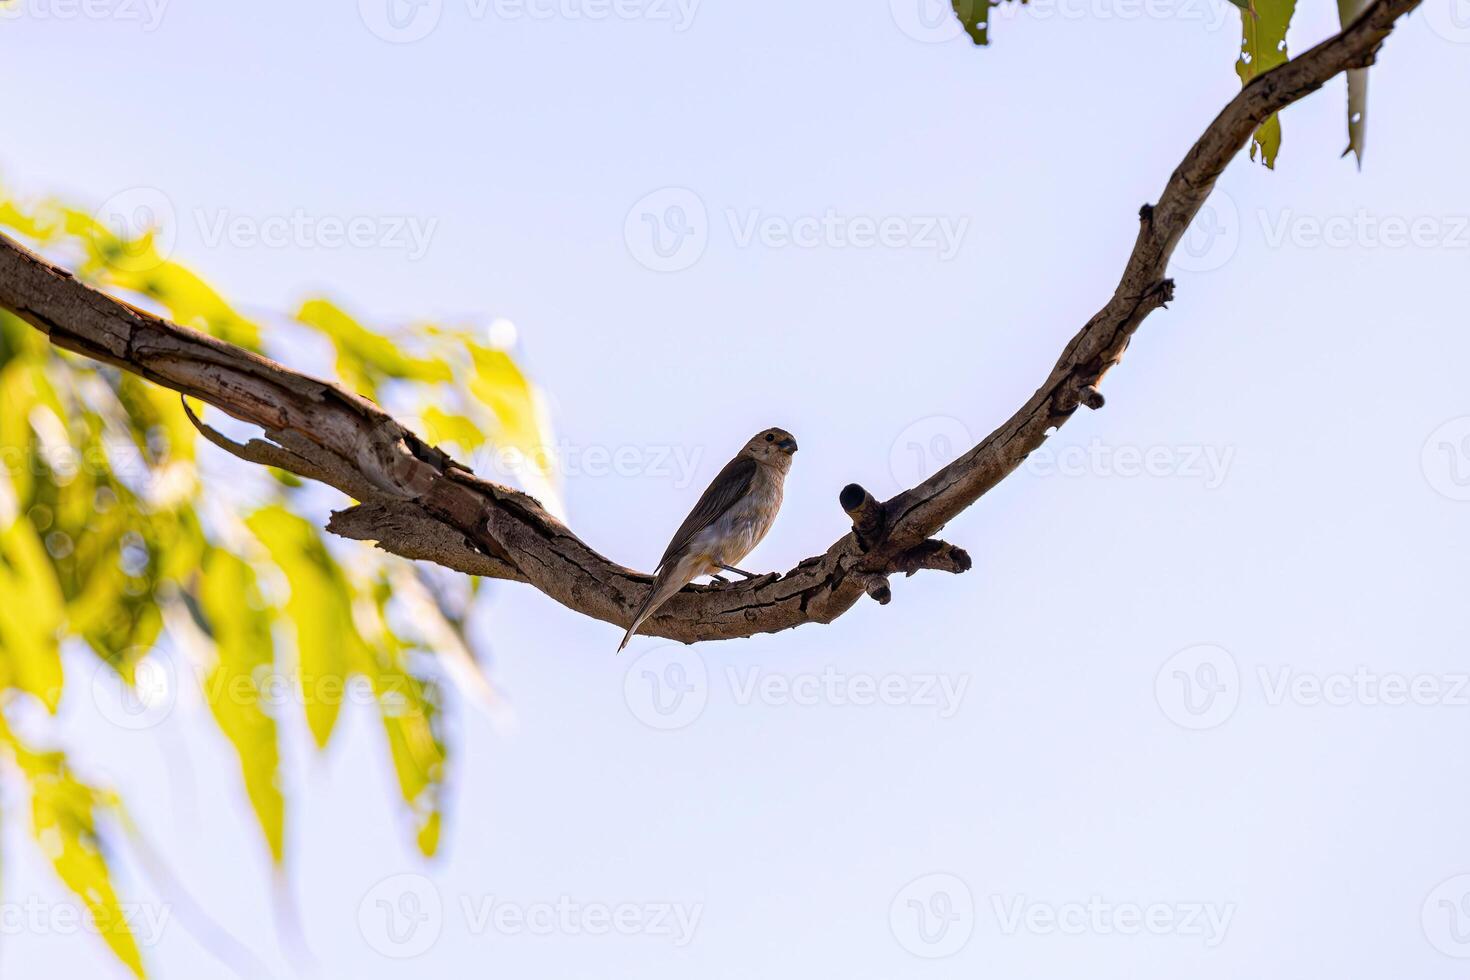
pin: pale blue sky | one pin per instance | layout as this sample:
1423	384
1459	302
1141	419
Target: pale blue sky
1292	504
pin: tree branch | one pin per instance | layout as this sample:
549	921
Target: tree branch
419	503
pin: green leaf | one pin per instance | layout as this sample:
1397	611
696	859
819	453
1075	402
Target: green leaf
189	300
1263	47
31	614
237	619
442	426
498	384
320	610
343	631
34	226
133	264
409	713
409	706
427	837
365	359
112	574
64	820
1357	82
974	15
153	414
99	552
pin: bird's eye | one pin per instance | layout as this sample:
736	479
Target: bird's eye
770	437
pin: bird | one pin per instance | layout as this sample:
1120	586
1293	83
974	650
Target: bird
732	515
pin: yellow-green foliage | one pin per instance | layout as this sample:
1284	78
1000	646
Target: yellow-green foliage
107	545
1263	47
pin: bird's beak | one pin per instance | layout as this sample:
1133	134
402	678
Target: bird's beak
787	445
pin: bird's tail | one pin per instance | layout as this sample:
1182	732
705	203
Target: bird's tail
664	585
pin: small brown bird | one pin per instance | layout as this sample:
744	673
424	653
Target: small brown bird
730	519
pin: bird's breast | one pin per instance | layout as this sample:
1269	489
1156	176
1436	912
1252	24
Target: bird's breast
736	533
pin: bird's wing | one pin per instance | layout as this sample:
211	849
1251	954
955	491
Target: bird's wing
732	483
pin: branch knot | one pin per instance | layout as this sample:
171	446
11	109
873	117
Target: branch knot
869	519
933	553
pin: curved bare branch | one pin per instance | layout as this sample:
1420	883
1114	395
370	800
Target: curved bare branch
417	502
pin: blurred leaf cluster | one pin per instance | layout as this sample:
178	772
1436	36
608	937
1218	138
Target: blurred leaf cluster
124	541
